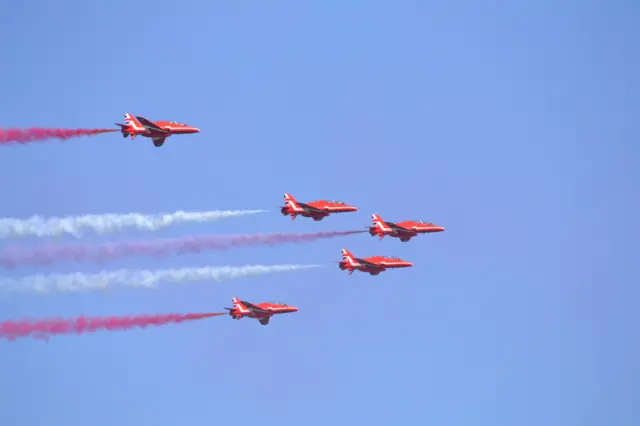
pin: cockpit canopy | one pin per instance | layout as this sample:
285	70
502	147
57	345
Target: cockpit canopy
278	303
175	122
393	257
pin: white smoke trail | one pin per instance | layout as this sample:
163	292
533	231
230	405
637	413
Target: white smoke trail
105	223
81	282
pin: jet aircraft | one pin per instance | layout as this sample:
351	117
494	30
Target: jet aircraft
317	210
402	230
373	265
158	131
262	311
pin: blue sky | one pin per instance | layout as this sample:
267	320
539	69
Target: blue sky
512	125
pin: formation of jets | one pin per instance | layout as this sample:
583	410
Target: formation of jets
404	231
318	210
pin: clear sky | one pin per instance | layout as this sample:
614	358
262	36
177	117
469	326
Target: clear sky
514	125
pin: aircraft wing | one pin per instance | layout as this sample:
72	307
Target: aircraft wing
402	230
254	308
370	264
151	126
310	209
398	228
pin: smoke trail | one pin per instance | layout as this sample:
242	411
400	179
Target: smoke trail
36	134
138	278
44	328
105	223
48	254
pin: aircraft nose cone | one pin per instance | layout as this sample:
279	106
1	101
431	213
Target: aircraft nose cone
196	130
409	264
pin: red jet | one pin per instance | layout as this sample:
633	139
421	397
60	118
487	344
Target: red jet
262	311
373	265
158	131
403	230
317	210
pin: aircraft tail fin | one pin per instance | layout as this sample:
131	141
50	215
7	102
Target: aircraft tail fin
379	226
348	262
346	254
376	219
237	304
292	203
289	198
133	122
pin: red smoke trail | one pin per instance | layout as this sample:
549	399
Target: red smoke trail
44	255
36	134
44	328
